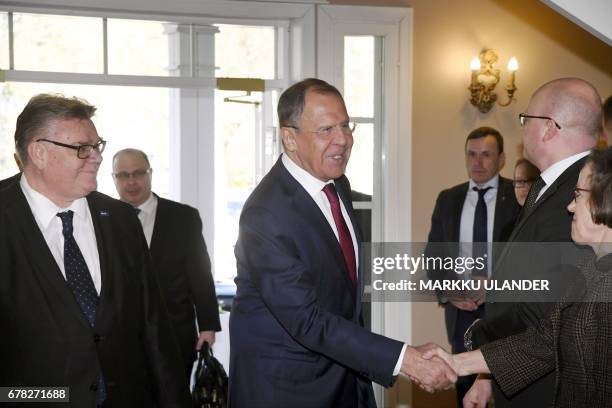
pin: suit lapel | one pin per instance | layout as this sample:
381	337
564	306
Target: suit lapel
158	225
550	191
501	208
104	240
458	200
44	266
306	207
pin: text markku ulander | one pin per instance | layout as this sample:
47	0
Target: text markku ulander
463	285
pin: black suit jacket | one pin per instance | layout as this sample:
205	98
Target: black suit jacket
183	270
548	221
295	329
46	339
8	181
446	225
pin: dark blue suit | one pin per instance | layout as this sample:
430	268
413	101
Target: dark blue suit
296	332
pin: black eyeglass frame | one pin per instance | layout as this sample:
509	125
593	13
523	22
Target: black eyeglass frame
136	174
520	183
84	150
578	191
523	116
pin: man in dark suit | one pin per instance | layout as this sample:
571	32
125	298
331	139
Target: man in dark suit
79	304
486	201
10	180
295	328
560	127
174	234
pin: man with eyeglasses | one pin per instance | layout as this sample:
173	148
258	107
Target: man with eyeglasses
560	127
80	306
296	330
482	210
180	259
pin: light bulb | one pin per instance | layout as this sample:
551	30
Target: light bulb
475	64
512	64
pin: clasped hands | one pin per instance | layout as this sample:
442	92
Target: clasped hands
433	369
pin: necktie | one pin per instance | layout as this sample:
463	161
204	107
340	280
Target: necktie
479	233
137	210
344	236
77	274
535	189
79	279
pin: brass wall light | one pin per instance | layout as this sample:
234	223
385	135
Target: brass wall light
485	77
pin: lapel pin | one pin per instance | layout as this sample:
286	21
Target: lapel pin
104	213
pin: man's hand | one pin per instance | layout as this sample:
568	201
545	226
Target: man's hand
205	336
480	394
432	375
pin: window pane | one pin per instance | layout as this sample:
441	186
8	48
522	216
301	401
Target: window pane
137	48
245	52
58	43
359	75
121	119
4	53
235	172
360	168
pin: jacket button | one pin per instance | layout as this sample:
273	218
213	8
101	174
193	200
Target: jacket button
98	338
94	387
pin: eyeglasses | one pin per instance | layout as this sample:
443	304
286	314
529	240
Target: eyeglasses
84	150
518	183
346	128
523	118
578	192
136	174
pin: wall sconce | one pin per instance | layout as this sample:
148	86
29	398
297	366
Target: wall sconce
485	77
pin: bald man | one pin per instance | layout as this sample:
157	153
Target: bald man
560	127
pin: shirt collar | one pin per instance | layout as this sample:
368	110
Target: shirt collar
310	183
553	172
493	183
149	204
45	210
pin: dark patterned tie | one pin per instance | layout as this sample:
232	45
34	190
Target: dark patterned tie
79	279
344	236
535	189
479	232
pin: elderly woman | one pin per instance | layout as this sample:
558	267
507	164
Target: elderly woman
576	339
525	173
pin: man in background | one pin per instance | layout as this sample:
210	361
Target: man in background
174	234
79	304
482	209
560	127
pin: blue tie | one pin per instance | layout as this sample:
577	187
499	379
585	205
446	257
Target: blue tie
79	279
479	237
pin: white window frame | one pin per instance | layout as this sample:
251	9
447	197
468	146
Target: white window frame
391	206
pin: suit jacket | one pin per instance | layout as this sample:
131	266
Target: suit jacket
46	339
183	270
8	181
574	341
446	225
295	328
548	221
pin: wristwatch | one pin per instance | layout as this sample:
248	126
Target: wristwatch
467	337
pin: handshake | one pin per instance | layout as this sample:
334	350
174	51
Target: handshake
433	369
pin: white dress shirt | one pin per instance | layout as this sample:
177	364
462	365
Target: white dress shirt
45	214
314	187
147	213
553	172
